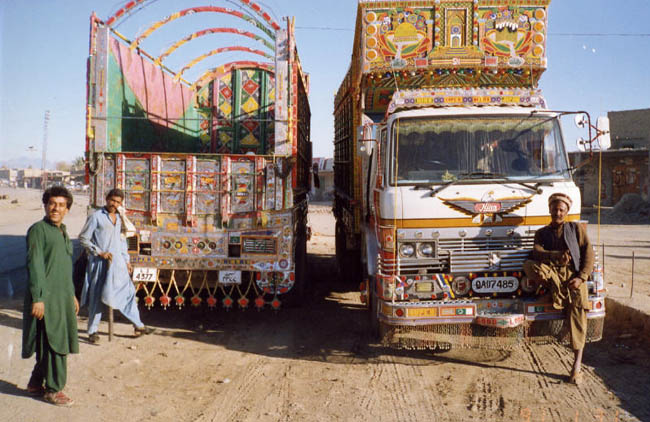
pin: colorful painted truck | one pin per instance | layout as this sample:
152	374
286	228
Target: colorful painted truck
445	157
216	172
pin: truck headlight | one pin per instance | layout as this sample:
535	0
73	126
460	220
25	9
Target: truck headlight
406	250
425	249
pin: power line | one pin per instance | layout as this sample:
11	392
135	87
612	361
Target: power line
567	34
323	28
557	34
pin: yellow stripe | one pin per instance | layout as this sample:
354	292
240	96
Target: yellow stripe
467	222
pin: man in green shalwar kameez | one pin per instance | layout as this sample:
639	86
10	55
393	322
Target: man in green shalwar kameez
49	316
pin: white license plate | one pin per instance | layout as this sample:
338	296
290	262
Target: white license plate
145	274
230	277
495	284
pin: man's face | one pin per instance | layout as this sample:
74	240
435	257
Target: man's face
112	202
56	208
559	211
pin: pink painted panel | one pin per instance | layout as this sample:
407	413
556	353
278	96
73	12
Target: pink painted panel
155	90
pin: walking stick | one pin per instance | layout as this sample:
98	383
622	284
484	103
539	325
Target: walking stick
110	323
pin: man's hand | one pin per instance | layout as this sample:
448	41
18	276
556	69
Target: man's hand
106	255
575	283
38	309
129	267
76	306
564	259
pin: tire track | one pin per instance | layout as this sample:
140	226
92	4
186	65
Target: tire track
407	391
563	400
370	396
233	402
487	400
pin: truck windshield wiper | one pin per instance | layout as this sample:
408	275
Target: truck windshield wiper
481	174
465	177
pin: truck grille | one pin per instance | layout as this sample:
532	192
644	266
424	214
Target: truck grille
484	243
489	260
460	255
256	245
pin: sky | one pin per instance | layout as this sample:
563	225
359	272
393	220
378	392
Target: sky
597	55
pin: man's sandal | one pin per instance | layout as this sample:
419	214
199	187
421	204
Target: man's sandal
58	399
144	330
93	338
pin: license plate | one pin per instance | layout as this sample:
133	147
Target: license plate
145	274
495	284
230	277
422	312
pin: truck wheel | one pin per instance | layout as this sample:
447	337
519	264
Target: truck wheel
348	261
298	294
373	319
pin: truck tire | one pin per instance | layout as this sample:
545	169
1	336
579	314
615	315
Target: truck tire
348	261
373	319
297	296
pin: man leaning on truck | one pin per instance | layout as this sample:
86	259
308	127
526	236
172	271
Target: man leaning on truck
107	274
562	260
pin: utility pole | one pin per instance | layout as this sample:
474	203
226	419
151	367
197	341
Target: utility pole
44	159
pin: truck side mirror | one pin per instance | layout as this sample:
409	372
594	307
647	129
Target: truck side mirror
314	170
367	135
604	137
581	120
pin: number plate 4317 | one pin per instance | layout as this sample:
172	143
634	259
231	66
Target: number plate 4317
145	274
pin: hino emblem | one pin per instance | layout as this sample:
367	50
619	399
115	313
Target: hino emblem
487	210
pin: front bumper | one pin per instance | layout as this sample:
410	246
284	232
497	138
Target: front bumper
498	313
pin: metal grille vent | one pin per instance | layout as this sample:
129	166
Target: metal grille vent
266	246
132	243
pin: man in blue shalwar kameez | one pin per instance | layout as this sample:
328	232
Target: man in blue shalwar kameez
108	277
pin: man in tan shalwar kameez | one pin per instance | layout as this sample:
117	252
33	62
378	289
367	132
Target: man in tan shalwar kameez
562	260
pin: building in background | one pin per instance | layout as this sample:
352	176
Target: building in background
33	178
625	166
8	176
325	168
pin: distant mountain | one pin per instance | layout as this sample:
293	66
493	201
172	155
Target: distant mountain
25	162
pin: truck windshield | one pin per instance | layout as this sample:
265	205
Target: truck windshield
439	150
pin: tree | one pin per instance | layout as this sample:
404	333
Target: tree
62	166
78	163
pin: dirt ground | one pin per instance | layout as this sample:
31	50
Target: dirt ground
317	363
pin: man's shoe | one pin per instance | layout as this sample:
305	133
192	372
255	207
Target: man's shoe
35	390
93	338
138	331
58	399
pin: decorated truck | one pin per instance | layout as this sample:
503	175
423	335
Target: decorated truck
216	171
445	156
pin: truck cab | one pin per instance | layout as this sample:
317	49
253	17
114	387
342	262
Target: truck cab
446	154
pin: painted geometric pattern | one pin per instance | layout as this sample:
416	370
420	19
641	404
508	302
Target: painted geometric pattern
249	129
224	141
269	116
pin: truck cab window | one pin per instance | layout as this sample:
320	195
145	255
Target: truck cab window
438	150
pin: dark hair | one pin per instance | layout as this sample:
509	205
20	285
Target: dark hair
115	192
55	191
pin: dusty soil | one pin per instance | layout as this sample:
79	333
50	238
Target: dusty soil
318	363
